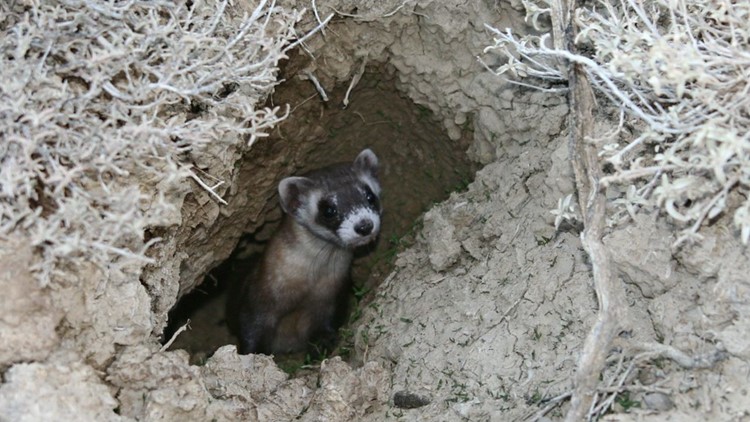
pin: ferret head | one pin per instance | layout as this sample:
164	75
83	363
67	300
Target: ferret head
339	203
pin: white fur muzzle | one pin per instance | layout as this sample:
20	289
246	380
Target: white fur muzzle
349	235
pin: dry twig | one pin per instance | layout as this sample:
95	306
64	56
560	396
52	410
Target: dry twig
179	331
592	203
681	358
609	292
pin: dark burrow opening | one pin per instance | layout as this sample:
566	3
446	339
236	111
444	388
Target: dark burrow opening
419	166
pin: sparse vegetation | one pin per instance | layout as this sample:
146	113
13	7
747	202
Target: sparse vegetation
677	73
94	97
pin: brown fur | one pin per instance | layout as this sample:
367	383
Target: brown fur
292	295
299	290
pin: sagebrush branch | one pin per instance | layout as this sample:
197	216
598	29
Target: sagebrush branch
94	117
680	69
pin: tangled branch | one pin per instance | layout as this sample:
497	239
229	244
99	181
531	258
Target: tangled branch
103	106
680	70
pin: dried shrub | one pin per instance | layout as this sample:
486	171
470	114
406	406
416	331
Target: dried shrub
678	70
105	107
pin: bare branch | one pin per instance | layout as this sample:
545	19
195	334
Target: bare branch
179	331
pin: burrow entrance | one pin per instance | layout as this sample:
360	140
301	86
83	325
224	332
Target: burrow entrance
420	165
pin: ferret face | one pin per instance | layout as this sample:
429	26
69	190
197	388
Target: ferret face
339	203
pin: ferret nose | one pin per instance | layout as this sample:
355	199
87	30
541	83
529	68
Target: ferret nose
364	227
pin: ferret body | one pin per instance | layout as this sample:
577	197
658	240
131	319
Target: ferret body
300	288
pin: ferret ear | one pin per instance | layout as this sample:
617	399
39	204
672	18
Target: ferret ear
366	162
292	192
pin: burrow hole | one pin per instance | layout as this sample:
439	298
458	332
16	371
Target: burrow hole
420	165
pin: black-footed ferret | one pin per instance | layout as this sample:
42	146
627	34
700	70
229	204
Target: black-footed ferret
299	290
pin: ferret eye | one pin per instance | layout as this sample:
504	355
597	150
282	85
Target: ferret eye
371	198
329	211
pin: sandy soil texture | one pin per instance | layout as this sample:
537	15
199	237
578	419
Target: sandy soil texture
478	306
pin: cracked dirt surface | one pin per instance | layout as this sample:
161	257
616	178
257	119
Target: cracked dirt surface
484	318
484	315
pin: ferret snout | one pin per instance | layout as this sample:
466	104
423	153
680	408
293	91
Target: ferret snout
359	228
364	227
